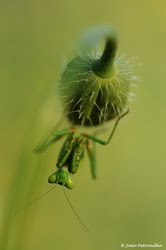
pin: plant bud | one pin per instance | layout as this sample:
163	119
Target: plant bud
95	86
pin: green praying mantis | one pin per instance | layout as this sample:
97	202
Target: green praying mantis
72	152
70	156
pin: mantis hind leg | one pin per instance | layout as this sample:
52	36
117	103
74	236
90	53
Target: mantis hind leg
95	139
91	149
52	138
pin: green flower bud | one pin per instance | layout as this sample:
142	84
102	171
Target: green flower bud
95	86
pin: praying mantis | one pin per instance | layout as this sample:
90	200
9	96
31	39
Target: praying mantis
72	152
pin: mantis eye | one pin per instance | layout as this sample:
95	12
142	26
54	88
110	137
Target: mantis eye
52	178
69	183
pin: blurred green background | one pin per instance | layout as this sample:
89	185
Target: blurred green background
127	203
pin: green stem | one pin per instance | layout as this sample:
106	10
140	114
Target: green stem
104	67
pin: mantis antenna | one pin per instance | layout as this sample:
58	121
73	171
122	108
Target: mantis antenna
39	197
76	212
30	203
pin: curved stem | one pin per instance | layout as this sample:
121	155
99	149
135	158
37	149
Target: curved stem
104	67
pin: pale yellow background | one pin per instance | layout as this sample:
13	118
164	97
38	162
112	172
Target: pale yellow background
127	203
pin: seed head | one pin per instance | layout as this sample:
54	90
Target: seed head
95	86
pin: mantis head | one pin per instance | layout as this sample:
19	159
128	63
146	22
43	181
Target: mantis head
62	177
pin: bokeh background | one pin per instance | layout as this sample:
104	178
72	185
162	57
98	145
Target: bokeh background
127	203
